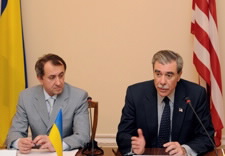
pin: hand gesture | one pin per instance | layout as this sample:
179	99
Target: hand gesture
138	143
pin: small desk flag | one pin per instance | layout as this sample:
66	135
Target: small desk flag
55	134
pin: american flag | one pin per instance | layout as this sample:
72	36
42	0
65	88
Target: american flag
206	58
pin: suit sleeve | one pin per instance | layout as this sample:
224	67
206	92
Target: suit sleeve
19	128
81	129
127	126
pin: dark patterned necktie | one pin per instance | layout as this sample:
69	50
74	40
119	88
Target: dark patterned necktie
164	131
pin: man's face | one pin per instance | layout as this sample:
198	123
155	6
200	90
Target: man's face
165	77
53	79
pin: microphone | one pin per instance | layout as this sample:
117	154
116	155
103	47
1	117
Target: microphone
188	101
91	148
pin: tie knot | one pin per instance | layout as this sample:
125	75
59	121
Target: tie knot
166	100
51	101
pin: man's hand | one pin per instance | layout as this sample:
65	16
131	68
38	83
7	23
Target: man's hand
175	149
25	145
138	143
44	142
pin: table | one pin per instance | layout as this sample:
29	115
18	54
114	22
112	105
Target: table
109	151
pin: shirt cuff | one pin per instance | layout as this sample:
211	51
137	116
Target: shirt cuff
15	144
66	147
189	151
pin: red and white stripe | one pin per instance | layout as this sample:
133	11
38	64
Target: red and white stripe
206	58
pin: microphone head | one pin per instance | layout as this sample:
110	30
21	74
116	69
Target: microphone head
89	98
187	100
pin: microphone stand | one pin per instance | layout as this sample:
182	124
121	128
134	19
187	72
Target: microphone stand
89	148
92	139
92	148
188	101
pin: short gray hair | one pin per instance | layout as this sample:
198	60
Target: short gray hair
167	56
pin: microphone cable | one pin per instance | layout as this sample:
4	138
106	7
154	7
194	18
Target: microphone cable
188	101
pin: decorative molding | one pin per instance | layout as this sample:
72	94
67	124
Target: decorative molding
106	140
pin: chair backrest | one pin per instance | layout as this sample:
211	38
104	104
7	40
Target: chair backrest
93	105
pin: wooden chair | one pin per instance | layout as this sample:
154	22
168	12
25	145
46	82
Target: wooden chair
93	105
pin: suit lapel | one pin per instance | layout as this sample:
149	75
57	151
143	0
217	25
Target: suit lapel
151	110
150	102
40	105
179	111
60	102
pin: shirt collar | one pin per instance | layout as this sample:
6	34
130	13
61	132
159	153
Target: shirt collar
171	97
47	96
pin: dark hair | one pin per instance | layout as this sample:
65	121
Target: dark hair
167	56
55	60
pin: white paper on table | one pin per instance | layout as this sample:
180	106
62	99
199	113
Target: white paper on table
36	152
8	152
151	155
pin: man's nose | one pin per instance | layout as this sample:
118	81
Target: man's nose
58	81
163	80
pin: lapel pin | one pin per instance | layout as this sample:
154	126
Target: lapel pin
180	110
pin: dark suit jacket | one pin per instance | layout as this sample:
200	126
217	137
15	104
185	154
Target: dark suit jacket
140	111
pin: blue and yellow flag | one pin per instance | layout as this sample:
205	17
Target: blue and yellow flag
56	134
12	66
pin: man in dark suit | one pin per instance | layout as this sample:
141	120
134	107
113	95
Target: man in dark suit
34	110
140	125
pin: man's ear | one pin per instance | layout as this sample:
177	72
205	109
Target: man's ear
40	79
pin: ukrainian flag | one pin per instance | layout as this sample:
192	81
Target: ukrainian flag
55	134
12	66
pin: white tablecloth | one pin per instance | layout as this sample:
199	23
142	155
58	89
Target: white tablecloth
35	152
